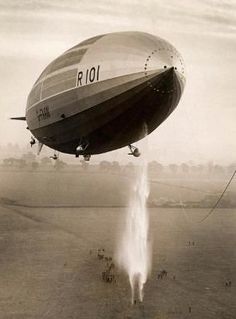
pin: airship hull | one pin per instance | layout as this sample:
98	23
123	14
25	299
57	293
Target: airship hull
125	83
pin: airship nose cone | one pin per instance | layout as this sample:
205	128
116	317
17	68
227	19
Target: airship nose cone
165	82
165	58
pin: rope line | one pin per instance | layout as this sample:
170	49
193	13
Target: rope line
219	199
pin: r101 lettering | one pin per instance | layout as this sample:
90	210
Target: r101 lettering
89	76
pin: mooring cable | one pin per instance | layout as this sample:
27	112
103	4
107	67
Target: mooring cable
219	199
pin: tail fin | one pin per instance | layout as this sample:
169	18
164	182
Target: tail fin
21	118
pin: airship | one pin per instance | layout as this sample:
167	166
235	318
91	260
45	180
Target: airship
99	95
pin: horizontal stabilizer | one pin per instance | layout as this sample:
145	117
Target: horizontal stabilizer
21	118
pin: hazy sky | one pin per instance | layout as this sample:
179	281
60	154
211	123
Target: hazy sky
203	126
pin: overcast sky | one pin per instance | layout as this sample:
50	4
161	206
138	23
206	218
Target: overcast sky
202	128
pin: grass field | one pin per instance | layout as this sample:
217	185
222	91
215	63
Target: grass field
48	256
50	188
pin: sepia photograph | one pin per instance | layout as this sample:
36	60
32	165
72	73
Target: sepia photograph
118	159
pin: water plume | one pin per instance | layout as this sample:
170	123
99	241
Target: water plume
134	251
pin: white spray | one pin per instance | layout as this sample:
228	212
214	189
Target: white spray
134	252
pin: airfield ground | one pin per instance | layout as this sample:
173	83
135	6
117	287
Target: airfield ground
48	252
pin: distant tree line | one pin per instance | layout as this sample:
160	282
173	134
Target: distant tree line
30	160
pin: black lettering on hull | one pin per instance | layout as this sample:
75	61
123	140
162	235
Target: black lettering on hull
79	78
91	75
43	113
